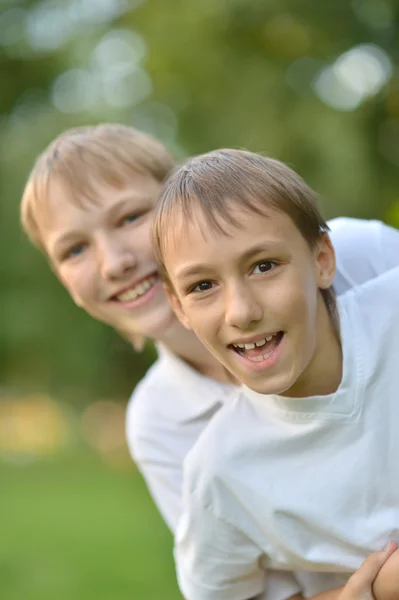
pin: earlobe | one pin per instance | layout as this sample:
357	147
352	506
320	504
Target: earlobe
326	262
176	306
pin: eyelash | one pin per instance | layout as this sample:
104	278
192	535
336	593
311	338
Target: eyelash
193	290
263	262
69	252
134	216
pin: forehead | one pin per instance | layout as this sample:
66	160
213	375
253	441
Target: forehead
196	240
63	205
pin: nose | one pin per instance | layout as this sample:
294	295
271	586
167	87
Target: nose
115	260
242	309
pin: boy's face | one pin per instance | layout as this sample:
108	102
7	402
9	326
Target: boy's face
103	255
253	296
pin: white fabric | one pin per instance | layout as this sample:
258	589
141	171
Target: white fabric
169	409
364	249
302	484
173	403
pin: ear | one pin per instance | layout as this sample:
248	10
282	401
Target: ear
176	305
325	261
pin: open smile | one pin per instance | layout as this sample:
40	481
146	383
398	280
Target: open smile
138	293
260	353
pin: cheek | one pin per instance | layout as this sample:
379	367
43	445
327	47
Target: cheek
285	306
191	313
300	301
204	320
140	241
78	282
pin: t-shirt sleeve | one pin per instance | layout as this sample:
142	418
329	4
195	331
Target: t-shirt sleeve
214	560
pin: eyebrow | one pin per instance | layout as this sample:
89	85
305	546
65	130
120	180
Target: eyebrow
125	200
199	268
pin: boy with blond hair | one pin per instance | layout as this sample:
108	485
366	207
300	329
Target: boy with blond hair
88	205
297	472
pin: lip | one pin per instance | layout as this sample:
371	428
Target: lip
254	339
132	285
140	300
261	365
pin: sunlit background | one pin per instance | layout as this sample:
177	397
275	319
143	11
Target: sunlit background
313	83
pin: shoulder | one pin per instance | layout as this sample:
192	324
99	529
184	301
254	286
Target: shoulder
364	249
383	289
144	413
169	409
144	399
375	304
369	317
347	229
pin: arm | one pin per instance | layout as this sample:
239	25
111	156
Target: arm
379	574
377	579
214	560
386	585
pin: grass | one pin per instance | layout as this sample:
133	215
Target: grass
71	528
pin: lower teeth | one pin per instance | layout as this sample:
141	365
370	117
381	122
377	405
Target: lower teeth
259	358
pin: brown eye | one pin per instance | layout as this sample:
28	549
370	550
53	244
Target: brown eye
264	267
203	286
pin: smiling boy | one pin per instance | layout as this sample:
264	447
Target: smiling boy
298	473
88	205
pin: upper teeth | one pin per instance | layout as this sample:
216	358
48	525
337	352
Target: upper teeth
251	345
137	290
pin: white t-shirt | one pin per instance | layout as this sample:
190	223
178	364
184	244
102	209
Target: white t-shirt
173	403
166	414
300	484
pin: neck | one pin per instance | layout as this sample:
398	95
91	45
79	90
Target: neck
186	345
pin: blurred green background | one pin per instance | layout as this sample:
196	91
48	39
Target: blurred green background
314	84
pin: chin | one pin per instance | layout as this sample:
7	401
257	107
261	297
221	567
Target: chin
160	325
272	386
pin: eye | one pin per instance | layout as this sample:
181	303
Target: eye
264	267
130	218
74	251
202	286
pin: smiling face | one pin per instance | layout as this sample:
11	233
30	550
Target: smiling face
103	255
252	296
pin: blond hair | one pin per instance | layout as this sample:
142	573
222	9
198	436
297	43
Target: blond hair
83	157
218	181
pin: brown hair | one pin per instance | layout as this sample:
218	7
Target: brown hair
82	157
218	180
